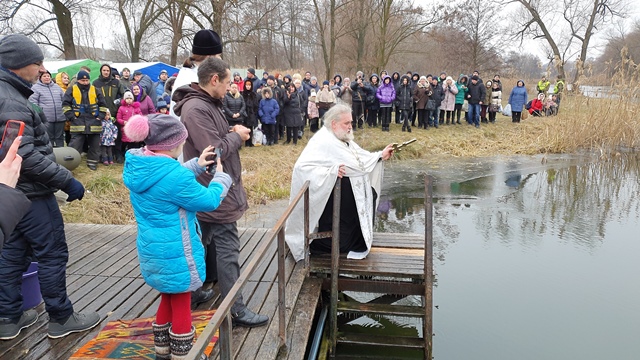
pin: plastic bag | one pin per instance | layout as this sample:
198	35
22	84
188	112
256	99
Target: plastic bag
507	110
258	136
465	106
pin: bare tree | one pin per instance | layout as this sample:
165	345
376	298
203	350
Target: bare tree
36	15
396	22
137	19
582	19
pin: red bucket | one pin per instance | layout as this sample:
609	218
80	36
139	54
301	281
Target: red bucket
31	296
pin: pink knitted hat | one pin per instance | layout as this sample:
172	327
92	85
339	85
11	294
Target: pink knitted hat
158	131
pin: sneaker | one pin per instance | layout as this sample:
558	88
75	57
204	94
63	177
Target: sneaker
10	330
77	322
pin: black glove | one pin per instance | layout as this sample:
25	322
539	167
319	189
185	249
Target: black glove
74	189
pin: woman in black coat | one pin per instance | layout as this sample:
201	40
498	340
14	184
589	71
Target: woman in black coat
292	116
234	107
251	103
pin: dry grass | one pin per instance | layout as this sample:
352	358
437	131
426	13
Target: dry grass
583	123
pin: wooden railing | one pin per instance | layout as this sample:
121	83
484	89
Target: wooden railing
222	318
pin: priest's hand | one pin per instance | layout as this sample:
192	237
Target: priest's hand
387	153
341	171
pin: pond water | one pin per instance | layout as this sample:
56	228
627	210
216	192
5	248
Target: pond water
536	257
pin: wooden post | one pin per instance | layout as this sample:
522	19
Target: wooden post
281	289
225	338
428	267
307	266
335	266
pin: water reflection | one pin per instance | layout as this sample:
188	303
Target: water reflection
536	257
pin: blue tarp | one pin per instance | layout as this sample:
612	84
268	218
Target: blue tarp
152	69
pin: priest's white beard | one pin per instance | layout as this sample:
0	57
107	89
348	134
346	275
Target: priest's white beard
343	135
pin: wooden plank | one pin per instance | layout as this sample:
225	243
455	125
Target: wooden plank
378	340
299	328
374	286
367	308
398	240
108	243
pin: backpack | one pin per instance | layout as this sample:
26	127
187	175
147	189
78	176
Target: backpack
528	106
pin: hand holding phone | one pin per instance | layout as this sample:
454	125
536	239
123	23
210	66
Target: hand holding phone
13	129
217	164
10	166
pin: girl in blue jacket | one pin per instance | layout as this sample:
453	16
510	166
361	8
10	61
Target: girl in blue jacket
267	111
166	196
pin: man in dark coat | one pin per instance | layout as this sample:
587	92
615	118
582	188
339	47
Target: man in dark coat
40	233
475	96
200	109
360	90
84	106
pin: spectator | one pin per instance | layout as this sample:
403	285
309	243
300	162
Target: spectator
108	139
475	96
237	79
449	101
421	95
543	85
251	103
140	96
386	95
517	100
537	105
127	109
126	79
325	98
84	107
147	85
404	99
234	108
200	108
160	84
48	96
495	103
268	111
312	112
461	84
40	177
292	117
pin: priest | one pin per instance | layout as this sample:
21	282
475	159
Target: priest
332	154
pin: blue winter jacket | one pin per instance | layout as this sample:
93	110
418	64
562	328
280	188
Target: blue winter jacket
268	110
165	197
518	97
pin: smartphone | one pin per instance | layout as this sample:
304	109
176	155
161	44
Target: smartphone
211	168
12	130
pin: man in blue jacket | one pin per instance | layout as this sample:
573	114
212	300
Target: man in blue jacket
40	233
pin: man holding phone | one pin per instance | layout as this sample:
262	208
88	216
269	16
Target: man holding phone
40	233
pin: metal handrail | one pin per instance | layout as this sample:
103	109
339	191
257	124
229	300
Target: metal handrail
222	318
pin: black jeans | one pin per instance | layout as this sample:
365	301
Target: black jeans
515	116
385	116
292	133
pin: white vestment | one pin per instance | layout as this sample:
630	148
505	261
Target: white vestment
319	163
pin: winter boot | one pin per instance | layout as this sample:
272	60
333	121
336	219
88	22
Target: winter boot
408	128
181	344
161	341
404	128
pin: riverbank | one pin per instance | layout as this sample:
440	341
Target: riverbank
583	123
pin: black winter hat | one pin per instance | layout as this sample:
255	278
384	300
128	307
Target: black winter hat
206	42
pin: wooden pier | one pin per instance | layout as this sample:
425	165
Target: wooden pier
103	275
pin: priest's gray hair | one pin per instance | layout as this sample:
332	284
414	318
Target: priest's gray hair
335	113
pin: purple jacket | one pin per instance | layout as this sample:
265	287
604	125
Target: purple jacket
386	92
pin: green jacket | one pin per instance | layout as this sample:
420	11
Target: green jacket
544	86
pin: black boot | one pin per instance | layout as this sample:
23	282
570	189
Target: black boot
201	296
408	128
161	341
